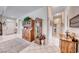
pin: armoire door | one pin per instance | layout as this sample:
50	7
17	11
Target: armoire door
33	31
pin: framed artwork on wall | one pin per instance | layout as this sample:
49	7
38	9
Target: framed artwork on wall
74	22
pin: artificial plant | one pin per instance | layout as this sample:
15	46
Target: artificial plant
26	19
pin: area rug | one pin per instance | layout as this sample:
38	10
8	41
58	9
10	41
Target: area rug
13	46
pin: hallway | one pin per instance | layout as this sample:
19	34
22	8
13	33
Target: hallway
39	29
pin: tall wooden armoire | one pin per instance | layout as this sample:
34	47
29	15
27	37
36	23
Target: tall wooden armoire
28	31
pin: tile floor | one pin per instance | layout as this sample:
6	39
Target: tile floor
32	48
10	41
8	37
13	46
48	48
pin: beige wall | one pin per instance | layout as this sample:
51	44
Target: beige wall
9	27
0	18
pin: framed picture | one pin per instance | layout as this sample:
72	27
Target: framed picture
74	22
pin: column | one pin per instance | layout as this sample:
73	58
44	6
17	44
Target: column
49	25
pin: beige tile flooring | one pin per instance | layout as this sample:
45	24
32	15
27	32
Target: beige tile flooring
13	46
33	48
47	48
7	37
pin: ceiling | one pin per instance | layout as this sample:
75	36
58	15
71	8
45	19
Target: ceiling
18	11
58	9
1	8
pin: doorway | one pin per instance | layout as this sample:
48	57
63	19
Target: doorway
58	25
0	28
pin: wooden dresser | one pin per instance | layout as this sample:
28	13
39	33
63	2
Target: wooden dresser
68	46
68	42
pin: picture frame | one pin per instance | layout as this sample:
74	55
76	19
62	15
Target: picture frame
74	22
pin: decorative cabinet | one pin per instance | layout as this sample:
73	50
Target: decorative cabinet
38	30
28	30
38	27
68	46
